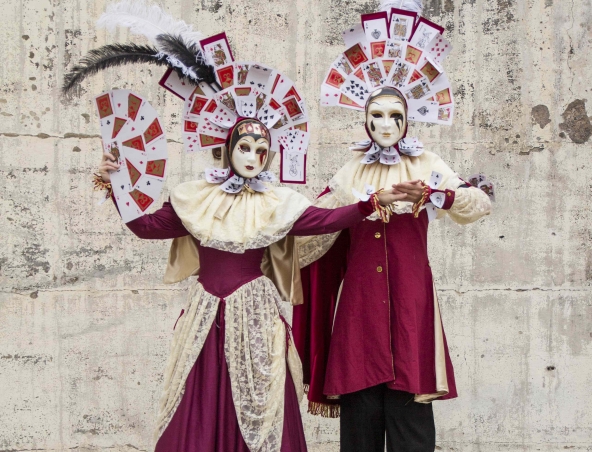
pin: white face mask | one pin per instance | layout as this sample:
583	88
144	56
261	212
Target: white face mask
386	120
249	156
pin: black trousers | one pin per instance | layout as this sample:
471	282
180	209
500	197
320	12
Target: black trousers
368	414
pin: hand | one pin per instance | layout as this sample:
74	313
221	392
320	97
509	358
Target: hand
108	163
409	191
390	196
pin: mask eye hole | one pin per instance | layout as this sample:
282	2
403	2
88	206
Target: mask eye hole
261	151
376	115
244	148
397	116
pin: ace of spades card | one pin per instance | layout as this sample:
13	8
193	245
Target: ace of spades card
375	26
422	110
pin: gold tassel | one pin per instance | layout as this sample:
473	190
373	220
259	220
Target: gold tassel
324	410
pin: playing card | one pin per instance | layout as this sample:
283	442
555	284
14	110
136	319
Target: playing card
226	98
488	188
294	108
329	96
435	180
335	78
120	179
429	69
292	167
194	106
418	90
412	54
438	48
342	65
374	73
444	97
432	211
422	110
191	141
375	26
247	106
354	35
241	69
348	102
128	208
220	117
206	141
424	32
258	77
173	83
438	199
299	142
476	179
216	50
225	75
400	73
395	49
268	116
401	24
280	86
355	55
445	115
206	127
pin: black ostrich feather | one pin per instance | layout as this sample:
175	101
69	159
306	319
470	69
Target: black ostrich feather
108	56
189	56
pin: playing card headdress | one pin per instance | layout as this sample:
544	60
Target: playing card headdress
398	48
218	91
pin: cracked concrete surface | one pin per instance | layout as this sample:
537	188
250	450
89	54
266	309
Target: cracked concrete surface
86	322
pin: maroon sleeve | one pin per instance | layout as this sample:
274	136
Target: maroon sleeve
449	199
162	224
317	221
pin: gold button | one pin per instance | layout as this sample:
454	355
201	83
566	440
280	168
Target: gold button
448	193
377	235
379	269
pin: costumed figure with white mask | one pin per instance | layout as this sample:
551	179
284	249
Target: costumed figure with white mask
233	380
370	332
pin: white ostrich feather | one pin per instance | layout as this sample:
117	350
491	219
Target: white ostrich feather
147	20
415	6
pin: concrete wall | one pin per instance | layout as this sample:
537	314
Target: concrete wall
86	322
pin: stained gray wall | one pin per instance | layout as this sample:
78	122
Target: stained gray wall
86	322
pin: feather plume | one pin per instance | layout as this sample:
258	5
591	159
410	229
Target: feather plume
147	20
414	6
187	57
114	55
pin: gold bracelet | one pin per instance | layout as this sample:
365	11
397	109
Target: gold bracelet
383	212
424	197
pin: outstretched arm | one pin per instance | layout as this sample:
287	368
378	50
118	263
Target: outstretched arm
162	224
319	221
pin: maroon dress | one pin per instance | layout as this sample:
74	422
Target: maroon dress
205	419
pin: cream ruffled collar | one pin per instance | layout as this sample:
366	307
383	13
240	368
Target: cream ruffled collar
237	222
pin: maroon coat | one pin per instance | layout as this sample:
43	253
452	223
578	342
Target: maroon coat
383	328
